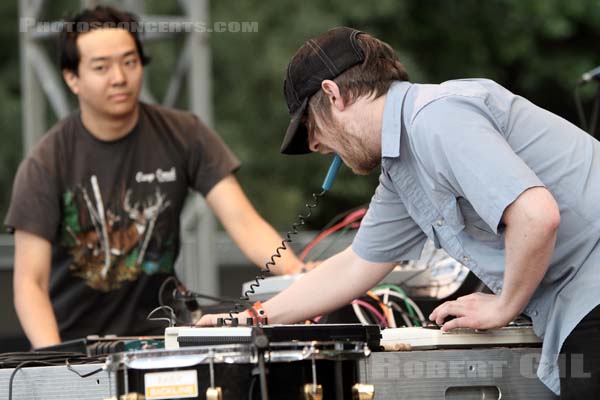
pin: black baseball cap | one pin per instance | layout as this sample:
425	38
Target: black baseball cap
323	57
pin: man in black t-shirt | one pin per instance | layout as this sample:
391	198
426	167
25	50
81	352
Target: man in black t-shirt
96	205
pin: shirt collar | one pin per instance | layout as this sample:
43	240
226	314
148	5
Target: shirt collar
392	119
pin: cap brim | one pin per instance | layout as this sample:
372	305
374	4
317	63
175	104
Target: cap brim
295	140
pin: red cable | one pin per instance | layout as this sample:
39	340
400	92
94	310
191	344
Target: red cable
350	219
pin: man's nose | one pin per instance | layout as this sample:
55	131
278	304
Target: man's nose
118	76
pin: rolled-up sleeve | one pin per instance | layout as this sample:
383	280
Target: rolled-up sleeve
388	233
456	140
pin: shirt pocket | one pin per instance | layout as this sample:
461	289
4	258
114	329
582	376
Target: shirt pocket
476	227
448	222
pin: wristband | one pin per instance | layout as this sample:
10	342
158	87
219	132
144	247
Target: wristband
259	315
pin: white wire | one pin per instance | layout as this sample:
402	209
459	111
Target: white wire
408	300
359	314
405	318
386	302
417	309
384	294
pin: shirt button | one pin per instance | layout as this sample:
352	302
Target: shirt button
440	222
535	313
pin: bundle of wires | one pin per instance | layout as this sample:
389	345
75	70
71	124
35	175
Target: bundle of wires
389	299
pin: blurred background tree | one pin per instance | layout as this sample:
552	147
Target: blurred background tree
535	48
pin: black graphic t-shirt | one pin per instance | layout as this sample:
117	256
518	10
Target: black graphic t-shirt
111	211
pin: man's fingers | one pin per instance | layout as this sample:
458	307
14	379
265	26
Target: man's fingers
449	308
433	314
438	311
462	322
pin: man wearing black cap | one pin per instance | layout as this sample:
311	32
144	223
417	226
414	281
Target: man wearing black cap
505	187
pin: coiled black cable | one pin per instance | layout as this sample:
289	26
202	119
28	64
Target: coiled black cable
301	220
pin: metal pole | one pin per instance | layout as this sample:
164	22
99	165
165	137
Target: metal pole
205	273
33	104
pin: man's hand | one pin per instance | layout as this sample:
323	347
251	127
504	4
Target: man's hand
476	311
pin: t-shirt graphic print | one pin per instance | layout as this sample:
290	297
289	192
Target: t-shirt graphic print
112	245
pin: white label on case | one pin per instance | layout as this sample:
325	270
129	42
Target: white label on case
171	385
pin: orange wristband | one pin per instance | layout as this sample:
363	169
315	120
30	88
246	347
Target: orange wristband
259	315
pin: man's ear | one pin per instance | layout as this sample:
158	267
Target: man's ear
72	80
332	91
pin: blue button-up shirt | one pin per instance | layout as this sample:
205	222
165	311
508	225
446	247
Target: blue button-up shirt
454	156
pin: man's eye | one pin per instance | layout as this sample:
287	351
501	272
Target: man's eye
99	68
131	63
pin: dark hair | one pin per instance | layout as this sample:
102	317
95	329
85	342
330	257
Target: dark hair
90	19
372	78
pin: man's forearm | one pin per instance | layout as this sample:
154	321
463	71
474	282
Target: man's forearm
529	248
336	282
253	235
260	244
36	315
531	224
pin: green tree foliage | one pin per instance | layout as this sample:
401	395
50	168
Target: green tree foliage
535	48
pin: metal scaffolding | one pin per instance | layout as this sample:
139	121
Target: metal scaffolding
41	84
